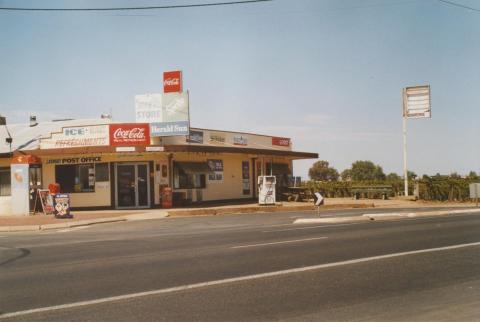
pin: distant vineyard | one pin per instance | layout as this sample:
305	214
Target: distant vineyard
441	188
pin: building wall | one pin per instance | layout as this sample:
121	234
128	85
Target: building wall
102	195
5	205
231	187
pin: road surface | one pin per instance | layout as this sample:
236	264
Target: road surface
258	267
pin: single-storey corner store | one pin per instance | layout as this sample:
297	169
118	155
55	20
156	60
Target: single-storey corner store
105	165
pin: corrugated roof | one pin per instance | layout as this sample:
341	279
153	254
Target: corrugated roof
27	138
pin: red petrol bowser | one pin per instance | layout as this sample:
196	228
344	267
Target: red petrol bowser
166	197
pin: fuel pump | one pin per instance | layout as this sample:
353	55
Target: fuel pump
266	190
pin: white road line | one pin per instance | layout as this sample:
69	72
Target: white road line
311	227
229	280
280	242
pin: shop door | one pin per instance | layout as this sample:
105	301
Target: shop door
133	186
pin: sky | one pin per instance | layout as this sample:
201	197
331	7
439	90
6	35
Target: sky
327	74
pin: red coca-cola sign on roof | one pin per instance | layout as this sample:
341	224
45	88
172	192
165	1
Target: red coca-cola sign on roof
172	81
128	134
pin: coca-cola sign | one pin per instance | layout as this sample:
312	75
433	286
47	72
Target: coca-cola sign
172	81
129	134
281	141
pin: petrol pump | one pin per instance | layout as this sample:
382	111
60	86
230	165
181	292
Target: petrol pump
26	178
266	190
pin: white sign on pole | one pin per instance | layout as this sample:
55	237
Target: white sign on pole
167	114
319	199
416	102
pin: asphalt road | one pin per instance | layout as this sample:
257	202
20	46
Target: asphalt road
257	267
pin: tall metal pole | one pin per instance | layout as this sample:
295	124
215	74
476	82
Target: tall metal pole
405	171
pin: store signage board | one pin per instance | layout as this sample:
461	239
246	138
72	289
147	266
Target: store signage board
169	128
172	81
240	140
125	149
195	137
217	138
168	114
154	149
77	136
129	134
148	108
417	102
75	160
281	141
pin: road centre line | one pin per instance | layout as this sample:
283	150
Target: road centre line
228	280
280	242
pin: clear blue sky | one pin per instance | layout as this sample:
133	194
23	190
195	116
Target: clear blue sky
328	74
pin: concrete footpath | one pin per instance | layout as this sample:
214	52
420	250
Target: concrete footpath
85	218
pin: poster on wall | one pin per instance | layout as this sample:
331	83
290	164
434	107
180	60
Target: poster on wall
246	177
217	171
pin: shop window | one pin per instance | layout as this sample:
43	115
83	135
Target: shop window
5	189
187	180
75	178
101	172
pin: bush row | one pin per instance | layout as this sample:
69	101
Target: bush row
441	188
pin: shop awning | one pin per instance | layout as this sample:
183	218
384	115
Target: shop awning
193	167
219	149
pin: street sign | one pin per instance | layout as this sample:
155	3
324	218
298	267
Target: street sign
319	199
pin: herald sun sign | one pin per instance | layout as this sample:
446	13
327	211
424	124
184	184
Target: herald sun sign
172	81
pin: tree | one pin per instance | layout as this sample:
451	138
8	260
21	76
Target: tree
346	175
411	175
473	176
393	177
455	175
367	171
322	171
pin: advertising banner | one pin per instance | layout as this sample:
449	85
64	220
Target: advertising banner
148	108
240	140
129	134
281	141
20	189
195	137
77	136
167	113
172	81
62	205
46	200
169	128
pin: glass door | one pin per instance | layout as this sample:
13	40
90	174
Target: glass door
133	186
142	185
